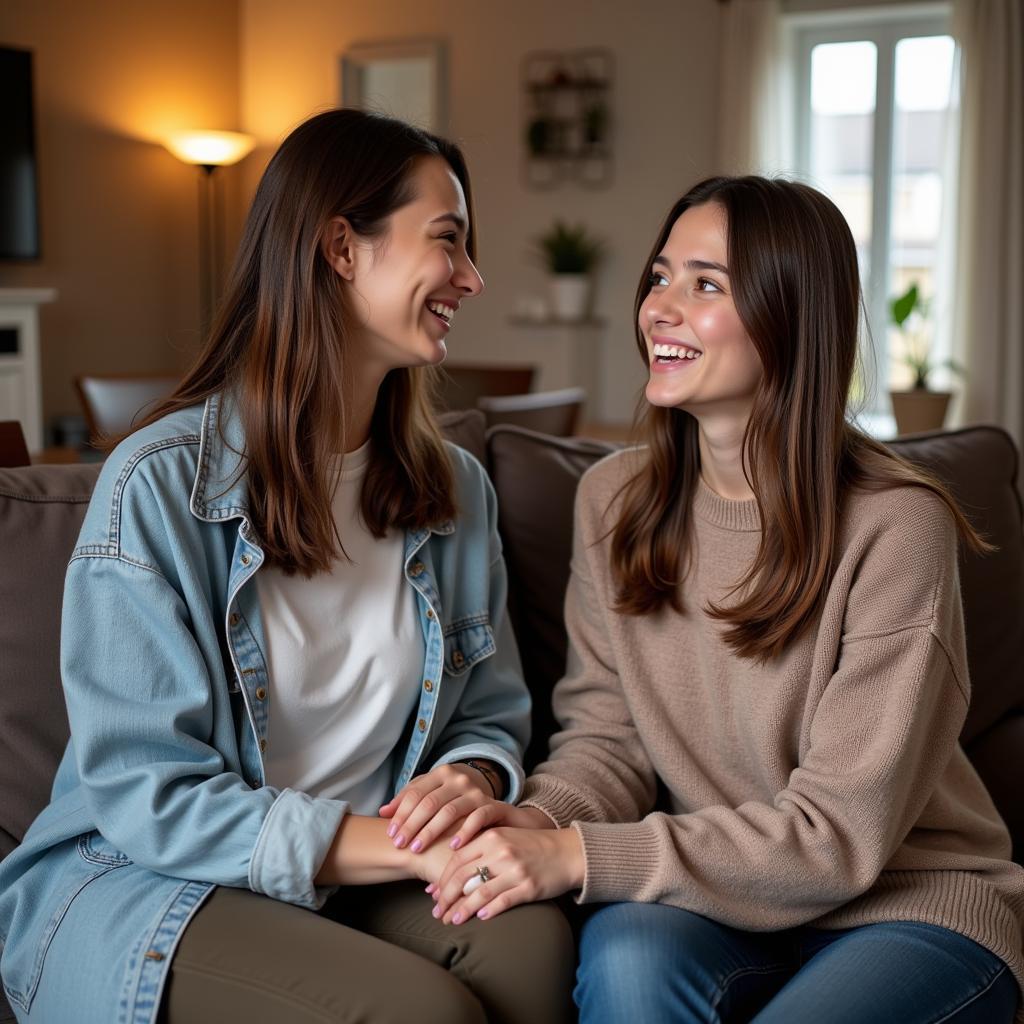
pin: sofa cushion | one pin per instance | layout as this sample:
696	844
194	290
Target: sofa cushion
467	429
535	477
980	465
41	510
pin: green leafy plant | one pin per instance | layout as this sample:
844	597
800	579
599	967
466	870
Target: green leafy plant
917	357
568	249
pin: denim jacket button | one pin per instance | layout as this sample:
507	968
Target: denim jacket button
428	685
430	613
246	559
263	745
261	693
416	569
233	619
421	725
458	659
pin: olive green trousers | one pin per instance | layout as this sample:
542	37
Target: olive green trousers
373	954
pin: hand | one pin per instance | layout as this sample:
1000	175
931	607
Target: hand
524	865
431	804
494	813
429	865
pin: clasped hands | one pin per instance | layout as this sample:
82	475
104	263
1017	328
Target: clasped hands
449	820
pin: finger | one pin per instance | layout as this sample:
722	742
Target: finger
479	896
412	799
428	808
446	895
510	898
445	818
491	813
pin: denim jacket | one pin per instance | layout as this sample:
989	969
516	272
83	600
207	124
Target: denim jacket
161	792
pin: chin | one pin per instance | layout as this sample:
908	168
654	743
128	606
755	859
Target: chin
662	397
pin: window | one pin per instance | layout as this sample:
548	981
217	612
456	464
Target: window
875	117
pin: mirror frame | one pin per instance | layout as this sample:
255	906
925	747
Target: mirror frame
361	55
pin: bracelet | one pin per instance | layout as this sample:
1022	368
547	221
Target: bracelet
488	773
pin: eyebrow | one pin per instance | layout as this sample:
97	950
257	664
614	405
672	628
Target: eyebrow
693	264
459	222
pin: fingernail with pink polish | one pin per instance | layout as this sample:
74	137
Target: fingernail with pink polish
391	831
416	847
482	914
436	912
400	842
455	843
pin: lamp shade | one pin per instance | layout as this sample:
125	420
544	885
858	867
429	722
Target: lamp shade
210	148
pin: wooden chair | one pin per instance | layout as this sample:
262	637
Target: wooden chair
462	387
13	450
547	412
112	403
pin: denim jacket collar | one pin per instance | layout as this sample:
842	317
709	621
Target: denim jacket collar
220	490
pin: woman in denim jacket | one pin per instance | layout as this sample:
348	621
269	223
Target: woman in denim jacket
282	662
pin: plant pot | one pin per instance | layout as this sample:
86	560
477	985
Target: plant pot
919	410
570	296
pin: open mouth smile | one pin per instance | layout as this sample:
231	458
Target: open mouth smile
669	354
443	312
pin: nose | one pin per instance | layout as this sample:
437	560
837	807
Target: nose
466	277
660	311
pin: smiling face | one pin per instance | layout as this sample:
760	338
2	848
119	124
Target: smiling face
405	287
700	356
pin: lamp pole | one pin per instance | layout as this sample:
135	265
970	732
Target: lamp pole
209	150
209	265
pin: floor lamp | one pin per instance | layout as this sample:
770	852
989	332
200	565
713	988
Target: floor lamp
209	150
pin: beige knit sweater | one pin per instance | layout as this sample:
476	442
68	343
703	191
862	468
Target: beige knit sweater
826	787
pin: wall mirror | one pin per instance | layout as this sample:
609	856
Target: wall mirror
407	79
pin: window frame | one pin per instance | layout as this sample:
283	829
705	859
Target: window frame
884	27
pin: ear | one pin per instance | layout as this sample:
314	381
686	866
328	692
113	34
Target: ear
338	245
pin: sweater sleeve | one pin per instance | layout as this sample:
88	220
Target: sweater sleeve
876	745
598	769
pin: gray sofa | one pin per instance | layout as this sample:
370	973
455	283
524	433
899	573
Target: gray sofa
535	476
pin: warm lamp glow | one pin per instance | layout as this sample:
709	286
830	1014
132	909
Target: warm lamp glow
211	149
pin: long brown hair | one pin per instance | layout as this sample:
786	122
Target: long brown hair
795	282
278	341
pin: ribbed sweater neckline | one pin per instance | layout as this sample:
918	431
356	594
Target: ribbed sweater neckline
741	516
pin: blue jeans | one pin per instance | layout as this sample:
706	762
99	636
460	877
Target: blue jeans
652	963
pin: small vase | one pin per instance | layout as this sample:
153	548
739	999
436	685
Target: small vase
570	296
919	410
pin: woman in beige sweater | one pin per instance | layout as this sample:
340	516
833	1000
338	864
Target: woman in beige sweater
758	775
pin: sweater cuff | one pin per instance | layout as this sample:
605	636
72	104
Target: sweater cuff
558	800
621	862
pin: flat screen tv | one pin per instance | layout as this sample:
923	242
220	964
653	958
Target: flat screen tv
19	208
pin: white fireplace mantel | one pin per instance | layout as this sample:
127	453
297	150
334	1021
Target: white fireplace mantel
21	390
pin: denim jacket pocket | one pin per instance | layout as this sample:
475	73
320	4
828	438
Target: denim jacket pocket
467	641
70	867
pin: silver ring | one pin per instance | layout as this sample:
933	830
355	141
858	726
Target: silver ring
482	875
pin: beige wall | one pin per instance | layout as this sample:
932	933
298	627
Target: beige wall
119	213
664	108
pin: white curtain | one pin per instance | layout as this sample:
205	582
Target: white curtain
754	123
989	336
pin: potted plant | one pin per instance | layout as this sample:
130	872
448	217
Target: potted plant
570	254
920	408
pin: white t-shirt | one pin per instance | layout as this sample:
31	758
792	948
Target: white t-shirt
345	656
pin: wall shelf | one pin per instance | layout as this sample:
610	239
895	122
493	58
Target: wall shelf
567	117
